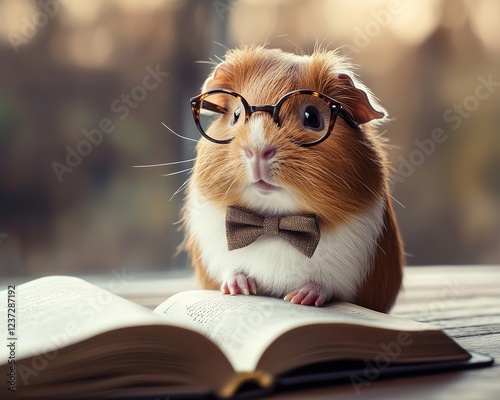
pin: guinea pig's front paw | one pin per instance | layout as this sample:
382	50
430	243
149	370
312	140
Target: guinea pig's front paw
239	282
310	294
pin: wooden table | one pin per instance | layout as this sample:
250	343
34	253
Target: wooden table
463	300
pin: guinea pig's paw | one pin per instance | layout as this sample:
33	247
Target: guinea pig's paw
310	294
239	282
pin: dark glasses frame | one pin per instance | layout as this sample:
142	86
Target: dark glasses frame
335	107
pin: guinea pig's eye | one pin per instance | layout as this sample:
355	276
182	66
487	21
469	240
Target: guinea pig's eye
312	119
236	116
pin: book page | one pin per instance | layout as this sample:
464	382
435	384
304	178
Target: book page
53	312
244	326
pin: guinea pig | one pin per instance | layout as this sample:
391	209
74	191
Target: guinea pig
290	158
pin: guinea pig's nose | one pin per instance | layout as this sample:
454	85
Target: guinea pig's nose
266	153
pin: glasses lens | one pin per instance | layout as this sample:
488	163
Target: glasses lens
309	113
221	114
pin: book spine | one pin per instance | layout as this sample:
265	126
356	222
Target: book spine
260	378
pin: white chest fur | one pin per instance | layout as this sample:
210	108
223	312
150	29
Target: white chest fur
339	264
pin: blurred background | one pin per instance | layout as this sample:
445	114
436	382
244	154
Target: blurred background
86	84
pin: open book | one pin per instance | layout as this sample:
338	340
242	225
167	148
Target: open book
66	337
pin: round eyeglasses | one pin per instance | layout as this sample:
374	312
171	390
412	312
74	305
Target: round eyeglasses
219	112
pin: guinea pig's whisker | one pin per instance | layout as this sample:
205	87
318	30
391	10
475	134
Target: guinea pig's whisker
305	178
366	186
178	172
392	197
180	189
339	180
228	189
375	241
163	164
397	201
209	62
176	134
201	163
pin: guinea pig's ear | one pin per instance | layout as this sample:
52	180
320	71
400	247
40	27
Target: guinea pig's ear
358	101
217	79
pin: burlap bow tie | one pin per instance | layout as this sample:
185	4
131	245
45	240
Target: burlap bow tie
244	226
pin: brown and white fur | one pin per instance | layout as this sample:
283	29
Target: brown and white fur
343	180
